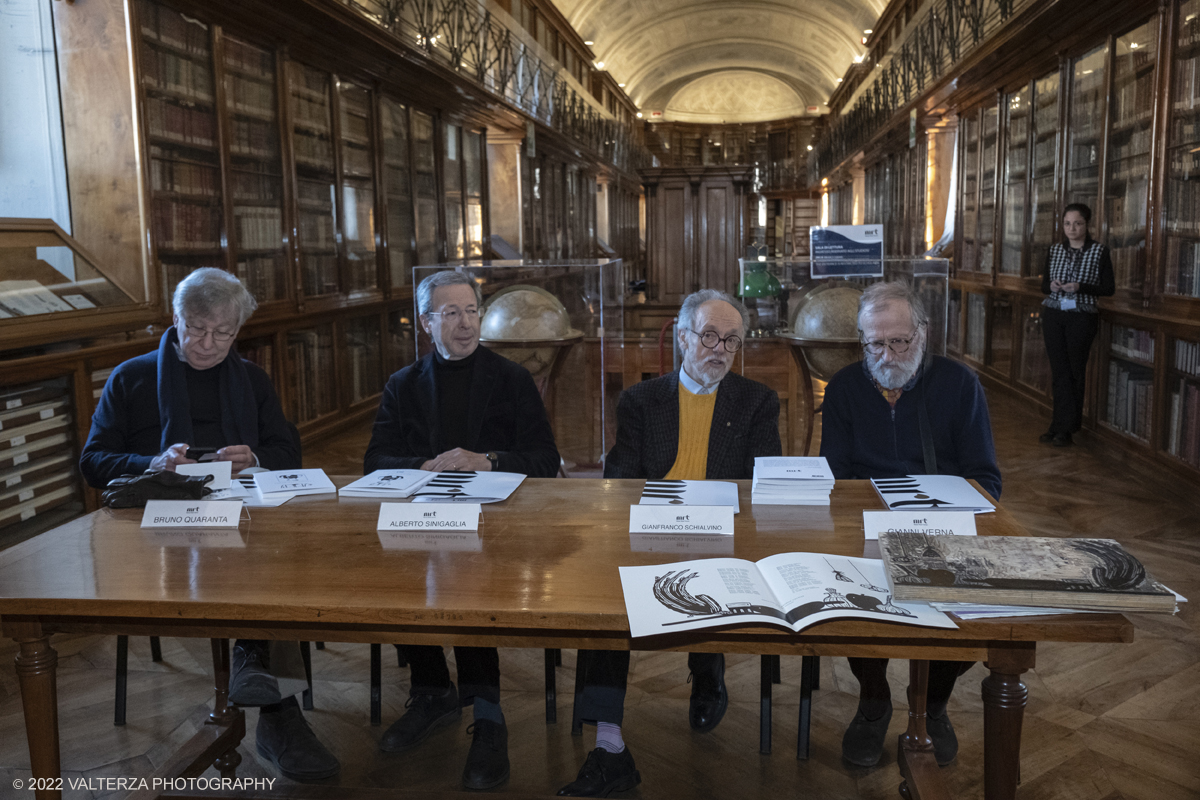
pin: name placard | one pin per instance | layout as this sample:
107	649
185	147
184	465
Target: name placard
428	517
220	470
681	519
938	523
192	514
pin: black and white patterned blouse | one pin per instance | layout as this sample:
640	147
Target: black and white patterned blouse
1090	266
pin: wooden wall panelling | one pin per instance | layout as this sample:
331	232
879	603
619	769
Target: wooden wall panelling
95	70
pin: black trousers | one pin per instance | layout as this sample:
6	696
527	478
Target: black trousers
478	671
1068	336
606	676
873	684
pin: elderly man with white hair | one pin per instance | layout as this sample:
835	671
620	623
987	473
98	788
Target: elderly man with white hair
195	391
903	412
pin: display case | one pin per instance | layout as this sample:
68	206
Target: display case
1181	265
1042	199
987	188
49	282
1182	431
1130	392
1033	371
1086	127
564	322
1016	170
969	250
827	308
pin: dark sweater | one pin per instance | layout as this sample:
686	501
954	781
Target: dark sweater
863	437
126	430
505	414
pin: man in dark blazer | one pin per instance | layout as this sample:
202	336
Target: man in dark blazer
460	408
701	422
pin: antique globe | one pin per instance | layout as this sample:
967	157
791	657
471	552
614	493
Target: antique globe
824	312
528	325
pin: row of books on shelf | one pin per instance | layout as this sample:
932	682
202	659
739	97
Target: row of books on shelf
259	227
313	151
183	124
1183	427
1187	83
265	277
1133	100
364	358
319	272
1127	266
1187	357
356	161
1183	207
1182	266
250	96
1130	399
311	113
1132	342
355	124
261	352
173	73
37	451
183	178
254	139
253	187
164	25
1138	144
316	231
310	355
250	59
186	226
1184	165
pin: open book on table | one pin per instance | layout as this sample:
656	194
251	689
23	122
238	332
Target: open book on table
792	590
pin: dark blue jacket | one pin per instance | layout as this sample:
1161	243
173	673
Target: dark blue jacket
863	437
126	430
505	415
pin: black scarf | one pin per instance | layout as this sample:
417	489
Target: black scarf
239	411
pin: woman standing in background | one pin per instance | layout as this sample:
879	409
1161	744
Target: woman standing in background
1078	270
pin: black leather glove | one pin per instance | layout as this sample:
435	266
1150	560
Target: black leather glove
132	491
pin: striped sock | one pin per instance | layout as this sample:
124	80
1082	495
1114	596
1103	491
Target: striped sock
608	737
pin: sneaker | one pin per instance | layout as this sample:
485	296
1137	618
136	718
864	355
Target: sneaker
709	698
487	761
426	713
284	738
862	744
250	683
945	742
602	774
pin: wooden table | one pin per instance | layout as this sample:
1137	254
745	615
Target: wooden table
544	575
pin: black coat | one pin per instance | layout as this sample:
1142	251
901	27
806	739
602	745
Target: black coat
506	415
745	425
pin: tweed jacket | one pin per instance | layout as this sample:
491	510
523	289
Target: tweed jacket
745	425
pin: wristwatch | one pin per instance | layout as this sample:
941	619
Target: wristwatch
494	459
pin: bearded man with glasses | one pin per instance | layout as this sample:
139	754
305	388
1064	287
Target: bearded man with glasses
195	391
460	408
877	419
701	422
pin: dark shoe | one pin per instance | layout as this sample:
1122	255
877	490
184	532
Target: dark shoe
945	743
426	713
284	738
602	774
709	698
250	684
1062	440
487	761
1047	437
862	745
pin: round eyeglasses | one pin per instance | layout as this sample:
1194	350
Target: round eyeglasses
897	346
711	339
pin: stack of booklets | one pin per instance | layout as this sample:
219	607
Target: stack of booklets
284	484
1029	572
388	484
933	492
791	481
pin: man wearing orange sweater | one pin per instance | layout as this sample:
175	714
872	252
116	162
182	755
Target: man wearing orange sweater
698	423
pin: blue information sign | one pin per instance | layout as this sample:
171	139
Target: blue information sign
842	251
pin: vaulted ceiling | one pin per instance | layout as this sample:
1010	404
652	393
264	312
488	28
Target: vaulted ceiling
723	60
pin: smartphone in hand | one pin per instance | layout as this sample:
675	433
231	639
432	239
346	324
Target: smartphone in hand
202	453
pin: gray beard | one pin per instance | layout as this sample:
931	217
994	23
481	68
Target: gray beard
897	374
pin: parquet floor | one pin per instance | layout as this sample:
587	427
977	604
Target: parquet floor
1103	722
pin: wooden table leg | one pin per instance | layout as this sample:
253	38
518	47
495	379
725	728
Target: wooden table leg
1004	697
918	765
221	713
36	664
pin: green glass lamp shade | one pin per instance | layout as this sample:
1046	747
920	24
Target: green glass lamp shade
757	282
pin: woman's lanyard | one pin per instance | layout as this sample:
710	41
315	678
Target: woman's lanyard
1074	267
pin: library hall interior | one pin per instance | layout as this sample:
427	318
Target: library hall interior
394	393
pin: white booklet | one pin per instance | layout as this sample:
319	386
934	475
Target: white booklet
468	487
690	493
294	482
791	469
388	483
792	590
933	492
